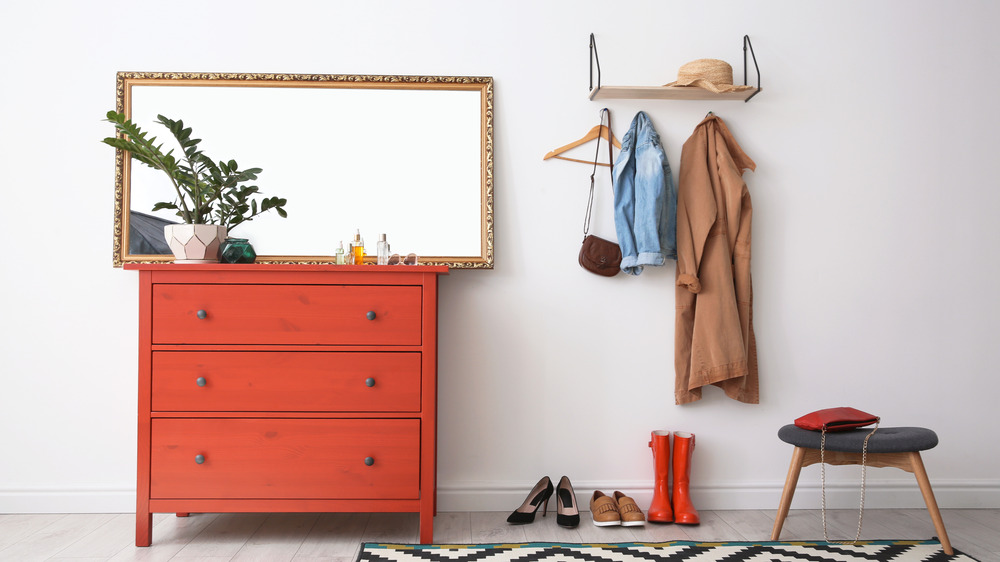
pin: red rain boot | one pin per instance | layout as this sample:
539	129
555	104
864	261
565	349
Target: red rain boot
684	511
659	511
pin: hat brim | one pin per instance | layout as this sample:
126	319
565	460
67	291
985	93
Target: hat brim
710	86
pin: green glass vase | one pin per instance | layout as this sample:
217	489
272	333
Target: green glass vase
237	250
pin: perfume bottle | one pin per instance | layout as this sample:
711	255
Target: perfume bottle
358	248
341	258
383	250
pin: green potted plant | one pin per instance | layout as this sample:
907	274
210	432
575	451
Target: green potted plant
212	197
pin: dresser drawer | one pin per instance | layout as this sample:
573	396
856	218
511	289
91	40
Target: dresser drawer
286	314
285	381
285	458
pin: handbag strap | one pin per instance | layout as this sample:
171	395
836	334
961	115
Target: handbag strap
597	154
822	464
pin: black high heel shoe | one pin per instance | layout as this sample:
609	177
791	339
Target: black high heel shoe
539	495
567	513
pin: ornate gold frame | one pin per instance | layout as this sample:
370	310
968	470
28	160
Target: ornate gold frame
484	84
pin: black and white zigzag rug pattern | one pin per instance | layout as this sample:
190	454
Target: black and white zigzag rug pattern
686	551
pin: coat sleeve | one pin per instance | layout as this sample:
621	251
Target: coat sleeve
696	208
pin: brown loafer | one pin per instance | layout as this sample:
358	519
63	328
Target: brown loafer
604	510
628	511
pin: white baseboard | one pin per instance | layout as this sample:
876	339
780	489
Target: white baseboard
77	500
505	496
743	495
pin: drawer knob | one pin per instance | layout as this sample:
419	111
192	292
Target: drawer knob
201	314
370	315
369	461
370	382
199	459
200	381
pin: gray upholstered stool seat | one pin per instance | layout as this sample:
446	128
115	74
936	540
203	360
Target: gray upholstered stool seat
885	440
897	447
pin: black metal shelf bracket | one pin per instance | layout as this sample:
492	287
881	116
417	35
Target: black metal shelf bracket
593	57
747	44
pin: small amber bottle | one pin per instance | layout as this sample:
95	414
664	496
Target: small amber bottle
358	247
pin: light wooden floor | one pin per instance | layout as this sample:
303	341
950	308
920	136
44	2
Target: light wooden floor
336	537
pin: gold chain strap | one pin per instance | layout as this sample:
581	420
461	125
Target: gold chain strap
822	461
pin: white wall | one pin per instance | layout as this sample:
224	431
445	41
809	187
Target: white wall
875	246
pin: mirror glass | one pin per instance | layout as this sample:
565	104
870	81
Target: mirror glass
407	156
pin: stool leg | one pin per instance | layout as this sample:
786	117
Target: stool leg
925	488
786	495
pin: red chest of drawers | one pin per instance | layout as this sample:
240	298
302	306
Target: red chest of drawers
298	388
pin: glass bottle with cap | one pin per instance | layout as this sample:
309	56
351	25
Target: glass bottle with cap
383	250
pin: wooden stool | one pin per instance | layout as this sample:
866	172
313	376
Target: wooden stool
890	446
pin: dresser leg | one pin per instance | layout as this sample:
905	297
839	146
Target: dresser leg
426	526
143	529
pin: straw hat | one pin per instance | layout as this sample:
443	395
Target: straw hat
711	74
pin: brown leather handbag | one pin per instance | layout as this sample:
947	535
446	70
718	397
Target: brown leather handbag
598	255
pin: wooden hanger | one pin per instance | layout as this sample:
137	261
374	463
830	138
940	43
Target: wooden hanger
598	131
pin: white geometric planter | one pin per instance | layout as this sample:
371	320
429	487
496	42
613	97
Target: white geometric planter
195	243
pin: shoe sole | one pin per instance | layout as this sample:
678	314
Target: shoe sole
607	523
633	523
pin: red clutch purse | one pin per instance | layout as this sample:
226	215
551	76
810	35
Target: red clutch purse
836	419
839	419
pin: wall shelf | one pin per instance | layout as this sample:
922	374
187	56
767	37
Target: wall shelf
665	93
668	92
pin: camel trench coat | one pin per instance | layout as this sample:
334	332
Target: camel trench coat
714	339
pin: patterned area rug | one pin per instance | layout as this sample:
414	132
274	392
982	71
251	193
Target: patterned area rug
687	551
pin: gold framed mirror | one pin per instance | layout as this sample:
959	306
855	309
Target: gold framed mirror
407	156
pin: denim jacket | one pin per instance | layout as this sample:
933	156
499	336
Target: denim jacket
645	199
